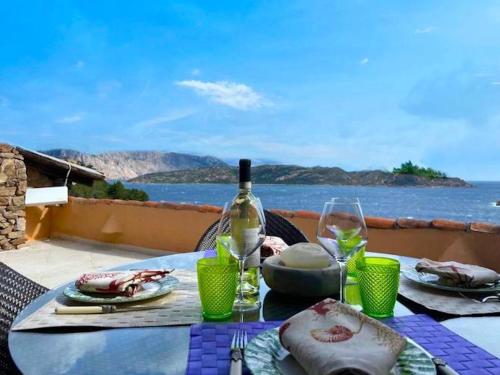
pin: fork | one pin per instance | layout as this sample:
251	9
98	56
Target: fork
494	297
240	340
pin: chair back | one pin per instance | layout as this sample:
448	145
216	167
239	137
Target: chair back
276	225
16	292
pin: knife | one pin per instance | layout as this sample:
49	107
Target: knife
442	367
102	309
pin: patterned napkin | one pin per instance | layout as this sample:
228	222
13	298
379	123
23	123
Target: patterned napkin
330	338
118	282
458	274
272	246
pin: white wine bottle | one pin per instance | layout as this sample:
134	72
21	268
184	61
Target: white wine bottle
246	229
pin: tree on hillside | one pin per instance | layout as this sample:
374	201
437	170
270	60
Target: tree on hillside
413	169
103	190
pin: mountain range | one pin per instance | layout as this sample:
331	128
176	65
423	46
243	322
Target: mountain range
171	167
125	165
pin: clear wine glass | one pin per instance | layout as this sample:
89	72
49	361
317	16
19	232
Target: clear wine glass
342	232
241	231
223	235
260	209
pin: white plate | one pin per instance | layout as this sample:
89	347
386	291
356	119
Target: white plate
430	280
150	290
264	355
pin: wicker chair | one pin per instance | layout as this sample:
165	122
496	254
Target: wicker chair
276	225
16	292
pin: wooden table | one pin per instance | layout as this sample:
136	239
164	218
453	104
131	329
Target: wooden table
164	350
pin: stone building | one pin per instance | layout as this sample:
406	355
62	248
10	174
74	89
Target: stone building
21	169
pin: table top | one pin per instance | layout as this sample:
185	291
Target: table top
164	350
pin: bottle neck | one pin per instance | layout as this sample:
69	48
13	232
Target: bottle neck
245	186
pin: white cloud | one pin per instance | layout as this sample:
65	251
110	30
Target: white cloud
71	119
166	118
231	94
425	30
195	72
364	61
495	83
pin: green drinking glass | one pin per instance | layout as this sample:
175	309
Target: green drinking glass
217	287
378	279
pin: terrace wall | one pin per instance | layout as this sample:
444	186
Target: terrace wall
177	227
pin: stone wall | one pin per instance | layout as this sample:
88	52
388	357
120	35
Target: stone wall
13	183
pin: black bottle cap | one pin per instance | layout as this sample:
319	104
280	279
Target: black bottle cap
245	174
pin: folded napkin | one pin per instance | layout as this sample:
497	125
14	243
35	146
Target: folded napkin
332	338
272	246
458	274
118	282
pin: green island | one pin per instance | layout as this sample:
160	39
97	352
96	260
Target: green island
408	174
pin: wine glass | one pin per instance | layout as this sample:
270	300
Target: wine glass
342	232
241	231
223	234
260	209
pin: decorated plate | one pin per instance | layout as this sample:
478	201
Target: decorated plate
264	355
151	289
430	280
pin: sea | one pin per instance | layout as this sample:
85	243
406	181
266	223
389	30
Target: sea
477	203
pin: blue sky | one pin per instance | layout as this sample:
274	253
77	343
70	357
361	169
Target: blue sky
355	84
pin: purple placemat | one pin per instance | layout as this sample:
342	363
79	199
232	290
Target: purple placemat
209	345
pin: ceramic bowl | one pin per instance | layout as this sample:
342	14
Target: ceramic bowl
300	282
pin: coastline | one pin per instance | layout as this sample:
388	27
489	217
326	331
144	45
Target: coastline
293	174
470	184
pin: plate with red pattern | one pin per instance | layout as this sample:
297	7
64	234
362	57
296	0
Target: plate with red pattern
265	355
149	290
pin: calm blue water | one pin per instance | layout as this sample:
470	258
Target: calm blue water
464	204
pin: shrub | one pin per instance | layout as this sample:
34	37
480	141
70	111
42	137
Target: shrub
103	190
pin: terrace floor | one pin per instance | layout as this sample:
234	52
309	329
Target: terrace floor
54	262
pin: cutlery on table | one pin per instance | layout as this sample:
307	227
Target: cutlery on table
240	340
442	367
490	298
102	309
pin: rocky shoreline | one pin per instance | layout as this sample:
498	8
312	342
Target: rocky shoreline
291	174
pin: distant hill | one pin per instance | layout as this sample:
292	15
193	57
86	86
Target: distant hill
130	164
255	162
293	174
